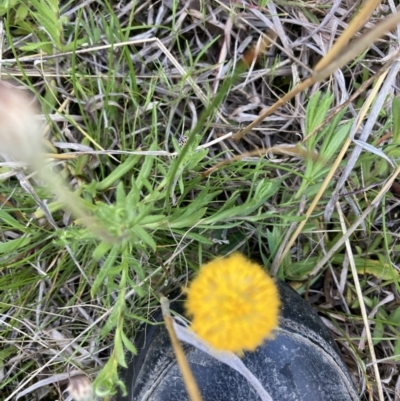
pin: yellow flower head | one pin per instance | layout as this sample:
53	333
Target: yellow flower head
234	304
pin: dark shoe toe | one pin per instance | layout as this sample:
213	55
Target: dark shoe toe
301	363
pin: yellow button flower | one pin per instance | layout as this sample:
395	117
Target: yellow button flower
234	304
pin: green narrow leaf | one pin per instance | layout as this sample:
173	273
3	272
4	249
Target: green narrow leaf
12	245
396	119
10	220
119	348
111	322
377	268
120	195
34	46
317	109
330	147
105	269
133	197
152	220
311	111
378	332
145	237
396	351
117	173
128	344
101	250
395	316
187	220
146	168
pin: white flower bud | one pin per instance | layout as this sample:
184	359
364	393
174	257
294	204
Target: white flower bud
20	141
19	129
80	388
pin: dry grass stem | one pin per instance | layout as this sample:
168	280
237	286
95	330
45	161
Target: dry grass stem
187	374
374	204
362	305
326	68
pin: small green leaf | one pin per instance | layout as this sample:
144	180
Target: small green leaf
107	378
118	173
119	349
300	270
396	119
378	332
377	268
146	168
152	220
128	344
105	269
7	218
196	158
396	351
187	219
145	237
12	245
110	323
120	194
101	250
395	316
21	12
316	112
29	47
330	147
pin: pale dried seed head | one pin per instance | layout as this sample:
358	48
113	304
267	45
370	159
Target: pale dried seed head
80	388
20	140
19	130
